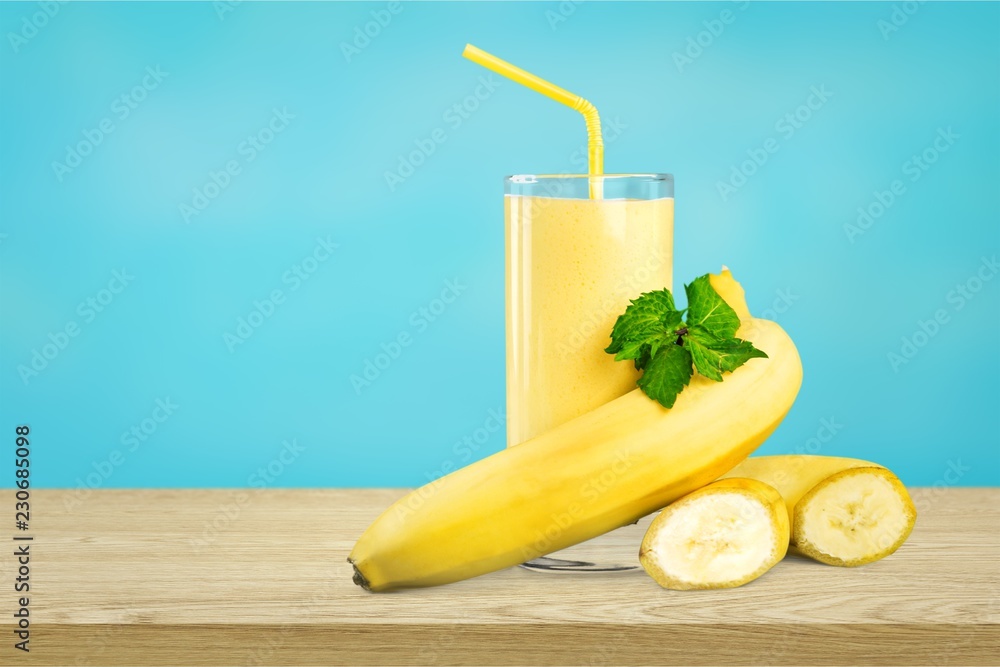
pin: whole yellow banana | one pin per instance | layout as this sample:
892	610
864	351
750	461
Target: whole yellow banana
600	471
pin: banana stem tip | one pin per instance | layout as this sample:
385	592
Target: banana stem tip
359	578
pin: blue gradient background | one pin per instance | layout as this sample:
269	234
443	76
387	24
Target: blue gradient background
324	175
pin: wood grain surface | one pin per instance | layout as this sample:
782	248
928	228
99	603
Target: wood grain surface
259	577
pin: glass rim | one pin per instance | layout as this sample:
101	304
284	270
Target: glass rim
535	178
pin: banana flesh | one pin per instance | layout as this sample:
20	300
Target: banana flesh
723	535
842	511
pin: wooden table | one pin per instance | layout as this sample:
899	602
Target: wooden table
167	577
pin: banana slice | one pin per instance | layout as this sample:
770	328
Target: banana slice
721	536
853	517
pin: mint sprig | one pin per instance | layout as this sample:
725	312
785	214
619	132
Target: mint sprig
668	347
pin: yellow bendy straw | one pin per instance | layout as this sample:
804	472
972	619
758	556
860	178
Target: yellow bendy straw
595	143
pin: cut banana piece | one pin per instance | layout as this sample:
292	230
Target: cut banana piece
842	511
854	517
721	536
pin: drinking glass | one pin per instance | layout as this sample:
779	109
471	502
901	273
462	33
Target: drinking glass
578	248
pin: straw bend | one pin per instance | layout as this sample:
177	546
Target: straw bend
595	142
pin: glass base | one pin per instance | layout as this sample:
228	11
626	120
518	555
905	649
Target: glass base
549	564
617	551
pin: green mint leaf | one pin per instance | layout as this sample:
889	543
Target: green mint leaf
643	359
713	356
643	316
644	348
666	374
640	350
708	310
668	349
646	325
